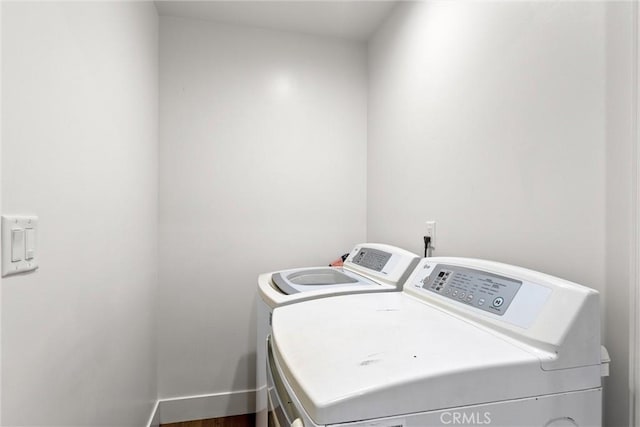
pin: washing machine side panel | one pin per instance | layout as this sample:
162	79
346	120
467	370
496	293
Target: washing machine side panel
263	328
275	371
581	409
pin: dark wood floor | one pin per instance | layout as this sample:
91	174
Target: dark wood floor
248	420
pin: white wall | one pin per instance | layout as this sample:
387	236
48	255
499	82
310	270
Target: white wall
1	119
489	118
620	158
262	167
509	124
79	137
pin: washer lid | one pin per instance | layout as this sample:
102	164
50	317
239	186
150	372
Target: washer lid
316	278
366	356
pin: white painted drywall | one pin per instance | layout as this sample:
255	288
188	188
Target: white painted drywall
262	167
1	211
620	157
79	135
509	124
490	119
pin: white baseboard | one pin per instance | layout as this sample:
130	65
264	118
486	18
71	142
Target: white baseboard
154	418
201	407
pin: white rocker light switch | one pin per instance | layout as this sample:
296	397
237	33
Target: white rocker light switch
19	238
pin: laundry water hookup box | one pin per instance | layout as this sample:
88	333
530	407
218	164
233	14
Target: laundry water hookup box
19	244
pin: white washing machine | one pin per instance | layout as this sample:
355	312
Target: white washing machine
370	267
467	342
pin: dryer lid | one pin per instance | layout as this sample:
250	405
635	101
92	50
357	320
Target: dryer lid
376	355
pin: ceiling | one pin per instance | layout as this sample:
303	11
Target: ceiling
354	20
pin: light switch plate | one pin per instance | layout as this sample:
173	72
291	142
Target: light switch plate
23	226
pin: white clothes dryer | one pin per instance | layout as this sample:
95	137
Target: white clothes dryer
467	342
370	267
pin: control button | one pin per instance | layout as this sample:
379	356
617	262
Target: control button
498	302
469	297
29	243
481	301
17	244
462	295
447	291
455	293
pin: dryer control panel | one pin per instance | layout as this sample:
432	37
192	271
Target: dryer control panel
480	289
486	291
558	317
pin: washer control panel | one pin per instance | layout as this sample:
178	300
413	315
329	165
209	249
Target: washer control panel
480	289
373	259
